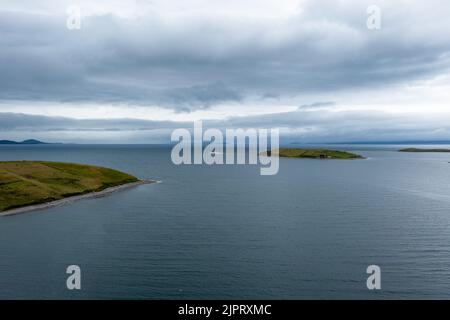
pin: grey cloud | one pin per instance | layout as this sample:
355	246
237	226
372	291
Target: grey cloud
303	126
195	64
30	123
316	105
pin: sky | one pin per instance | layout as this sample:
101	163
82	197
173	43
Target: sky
136	70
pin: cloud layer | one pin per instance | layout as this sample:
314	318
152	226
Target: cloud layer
297	126
200	55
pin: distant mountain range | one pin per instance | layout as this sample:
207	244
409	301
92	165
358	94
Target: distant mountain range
30	141
399	142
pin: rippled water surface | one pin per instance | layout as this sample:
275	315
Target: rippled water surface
227	232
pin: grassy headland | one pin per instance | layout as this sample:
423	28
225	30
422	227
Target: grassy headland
25	183
316	154
423	150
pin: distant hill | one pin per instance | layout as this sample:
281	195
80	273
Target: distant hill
29	141
423	150
400	142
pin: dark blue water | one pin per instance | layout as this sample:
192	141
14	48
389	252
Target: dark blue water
227	232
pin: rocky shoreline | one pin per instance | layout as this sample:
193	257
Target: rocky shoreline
68	200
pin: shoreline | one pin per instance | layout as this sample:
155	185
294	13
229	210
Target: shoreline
64	201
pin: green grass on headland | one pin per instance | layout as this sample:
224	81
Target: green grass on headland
316	154
24	183
423	150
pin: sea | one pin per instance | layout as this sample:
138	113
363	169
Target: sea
226	232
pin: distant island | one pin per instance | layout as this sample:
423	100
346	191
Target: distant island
29	141
315	153
392	142
423	150
31	185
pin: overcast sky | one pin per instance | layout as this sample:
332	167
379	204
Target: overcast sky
138	69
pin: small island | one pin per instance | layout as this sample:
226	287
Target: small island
423	150
315	153
32	185
25	142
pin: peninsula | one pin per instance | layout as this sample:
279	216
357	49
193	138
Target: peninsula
32	185
315	154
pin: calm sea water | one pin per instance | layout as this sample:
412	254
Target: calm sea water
227	232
